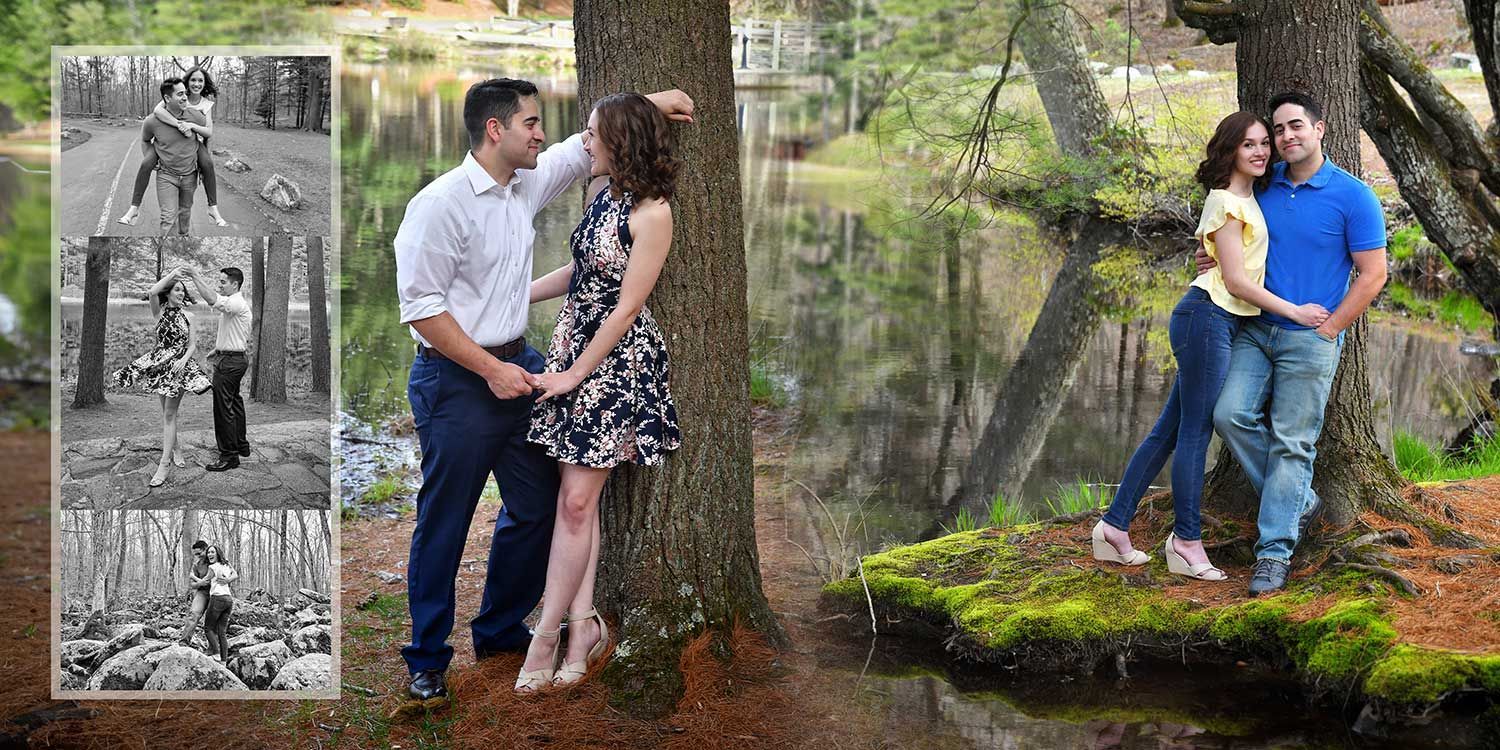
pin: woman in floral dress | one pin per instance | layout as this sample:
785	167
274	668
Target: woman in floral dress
604	395
169	369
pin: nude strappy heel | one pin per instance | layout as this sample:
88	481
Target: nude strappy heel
537	680
572	672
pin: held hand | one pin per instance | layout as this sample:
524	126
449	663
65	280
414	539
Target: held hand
1310	314
1203	261
557	384
185	128
511	381
177	366
675	104
1326	332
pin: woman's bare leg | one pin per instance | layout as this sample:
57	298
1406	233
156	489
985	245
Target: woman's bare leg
568	561
583	634
168	435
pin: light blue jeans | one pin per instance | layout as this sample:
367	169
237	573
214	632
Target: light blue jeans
1270	413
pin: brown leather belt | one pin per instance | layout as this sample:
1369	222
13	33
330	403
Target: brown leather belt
503	351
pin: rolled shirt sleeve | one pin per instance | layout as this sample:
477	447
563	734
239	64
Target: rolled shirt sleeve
231	304
427	257
557	168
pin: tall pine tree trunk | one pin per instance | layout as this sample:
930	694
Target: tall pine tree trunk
270	357
257	306
678	550
317	312
90	387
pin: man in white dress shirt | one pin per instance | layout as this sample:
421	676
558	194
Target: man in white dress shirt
463	275
229	363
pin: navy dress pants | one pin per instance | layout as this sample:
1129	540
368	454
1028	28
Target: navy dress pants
468	435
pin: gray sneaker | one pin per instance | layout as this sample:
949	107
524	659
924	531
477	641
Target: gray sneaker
1268	575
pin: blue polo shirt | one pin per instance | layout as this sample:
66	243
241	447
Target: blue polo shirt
1315	229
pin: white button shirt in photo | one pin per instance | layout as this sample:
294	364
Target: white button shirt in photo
464	246
234	323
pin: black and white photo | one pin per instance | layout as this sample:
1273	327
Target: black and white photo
195	144
195	372
196	601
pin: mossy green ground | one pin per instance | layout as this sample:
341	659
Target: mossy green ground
1006	596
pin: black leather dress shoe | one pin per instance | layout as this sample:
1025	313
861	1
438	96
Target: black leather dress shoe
225	464
245	452
429	685
1268	575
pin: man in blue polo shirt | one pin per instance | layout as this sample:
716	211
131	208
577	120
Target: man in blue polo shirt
1322	222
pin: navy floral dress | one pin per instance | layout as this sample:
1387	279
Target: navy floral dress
152	371
623	410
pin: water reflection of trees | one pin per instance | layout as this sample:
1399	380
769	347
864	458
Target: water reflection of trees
25	267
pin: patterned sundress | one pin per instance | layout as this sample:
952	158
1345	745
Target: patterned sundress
152	371
623	410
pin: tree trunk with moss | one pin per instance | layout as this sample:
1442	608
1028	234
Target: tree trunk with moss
678	550
1058	61
1313	46
89	390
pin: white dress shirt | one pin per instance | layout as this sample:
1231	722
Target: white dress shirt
221	586
234	323
464	246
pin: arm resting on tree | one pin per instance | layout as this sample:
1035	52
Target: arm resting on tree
1371	267
651	228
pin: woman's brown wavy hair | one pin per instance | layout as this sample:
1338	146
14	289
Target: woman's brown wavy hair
641	146
1214	171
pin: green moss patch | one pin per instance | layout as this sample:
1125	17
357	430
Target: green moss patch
998	595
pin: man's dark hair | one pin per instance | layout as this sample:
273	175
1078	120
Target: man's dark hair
168	85
1307	103
200	544
499	98
235	275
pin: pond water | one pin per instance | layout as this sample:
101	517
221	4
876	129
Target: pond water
893	342
25	252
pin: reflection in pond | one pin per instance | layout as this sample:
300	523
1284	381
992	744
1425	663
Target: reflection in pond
25	294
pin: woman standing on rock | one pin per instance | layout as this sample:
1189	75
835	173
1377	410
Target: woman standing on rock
220	603
604	395
169	370
1202	329
200	86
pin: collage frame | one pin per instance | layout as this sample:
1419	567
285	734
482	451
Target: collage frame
334	53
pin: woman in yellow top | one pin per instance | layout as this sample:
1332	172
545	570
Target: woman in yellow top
1202	328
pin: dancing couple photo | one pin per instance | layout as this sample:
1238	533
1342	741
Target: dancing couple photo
170	329
1257	337
484	402
185	600
199	145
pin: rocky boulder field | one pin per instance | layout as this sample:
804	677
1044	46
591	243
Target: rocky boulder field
273	645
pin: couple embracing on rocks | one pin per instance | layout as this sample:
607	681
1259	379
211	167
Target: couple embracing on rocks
1257	337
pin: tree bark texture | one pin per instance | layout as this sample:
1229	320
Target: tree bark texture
317	313
678	550
257	307
1054	52
270	358
90	387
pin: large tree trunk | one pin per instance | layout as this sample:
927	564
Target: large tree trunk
270	356
678	550
317	314
90	387
1058	61
257	306
1312	46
